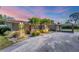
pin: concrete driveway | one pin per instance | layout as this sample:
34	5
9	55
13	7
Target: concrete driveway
51	42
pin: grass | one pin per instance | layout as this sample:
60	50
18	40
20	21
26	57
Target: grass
4	42
75	30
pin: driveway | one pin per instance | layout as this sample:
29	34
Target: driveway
51	42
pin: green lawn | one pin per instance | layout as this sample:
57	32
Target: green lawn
76	30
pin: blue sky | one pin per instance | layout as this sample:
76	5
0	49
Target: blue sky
56	13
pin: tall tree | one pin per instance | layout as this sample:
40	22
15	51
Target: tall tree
34	20
47	21
74	17
2	19
46	24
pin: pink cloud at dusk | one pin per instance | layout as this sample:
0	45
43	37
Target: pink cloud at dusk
15	12
39	12
19	13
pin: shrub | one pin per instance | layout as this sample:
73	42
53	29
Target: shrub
3	29
36	33
66	27
44	30
4	42
7	33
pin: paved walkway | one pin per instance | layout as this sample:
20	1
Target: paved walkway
58	41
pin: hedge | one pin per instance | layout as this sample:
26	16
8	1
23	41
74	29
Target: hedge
70	26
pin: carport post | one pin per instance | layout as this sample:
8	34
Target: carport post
72	26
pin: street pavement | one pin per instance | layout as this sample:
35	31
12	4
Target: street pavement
51	42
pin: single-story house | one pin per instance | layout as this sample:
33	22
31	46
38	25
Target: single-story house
13	24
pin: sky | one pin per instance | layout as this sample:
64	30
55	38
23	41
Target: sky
56	13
